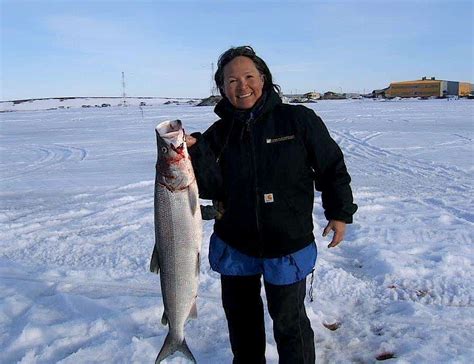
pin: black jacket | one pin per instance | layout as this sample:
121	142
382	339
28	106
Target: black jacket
263	164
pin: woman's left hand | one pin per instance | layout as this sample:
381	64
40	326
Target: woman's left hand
190	141
339	228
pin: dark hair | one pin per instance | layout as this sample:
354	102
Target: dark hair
245	51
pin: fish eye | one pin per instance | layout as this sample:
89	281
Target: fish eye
164	150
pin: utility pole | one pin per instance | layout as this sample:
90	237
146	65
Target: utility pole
212	79
124	95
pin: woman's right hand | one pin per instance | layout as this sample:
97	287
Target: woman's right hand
190	141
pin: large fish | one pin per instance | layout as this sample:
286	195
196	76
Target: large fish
178	235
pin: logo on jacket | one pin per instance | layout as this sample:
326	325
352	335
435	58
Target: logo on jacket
268	197
280	139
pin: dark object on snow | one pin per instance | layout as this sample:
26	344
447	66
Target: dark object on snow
332	96
332	327
385	356
302	100
210	101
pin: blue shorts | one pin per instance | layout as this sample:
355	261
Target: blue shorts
278	271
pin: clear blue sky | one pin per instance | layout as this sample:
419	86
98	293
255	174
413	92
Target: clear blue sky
80	48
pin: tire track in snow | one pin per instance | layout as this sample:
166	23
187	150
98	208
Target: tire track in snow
365	278
95	288
417	168
402	202
452	183
49	156
96	229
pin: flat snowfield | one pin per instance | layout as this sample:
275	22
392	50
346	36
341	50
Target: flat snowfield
76	217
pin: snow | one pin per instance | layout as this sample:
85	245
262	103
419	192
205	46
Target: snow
83	102
76	217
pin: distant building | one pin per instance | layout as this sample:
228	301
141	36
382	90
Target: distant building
352	95
428	88
332	96
465	89
312	95
380	94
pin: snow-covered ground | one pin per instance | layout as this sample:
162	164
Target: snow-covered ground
87	102
76	217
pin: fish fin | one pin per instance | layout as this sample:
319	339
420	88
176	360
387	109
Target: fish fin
193	202
193	313
164	319
171	346
155	261
198	263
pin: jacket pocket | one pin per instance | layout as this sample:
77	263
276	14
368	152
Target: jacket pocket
295	224
285	218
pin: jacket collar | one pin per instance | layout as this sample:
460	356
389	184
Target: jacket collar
224	109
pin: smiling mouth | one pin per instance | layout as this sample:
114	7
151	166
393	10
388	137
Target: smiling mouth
244	96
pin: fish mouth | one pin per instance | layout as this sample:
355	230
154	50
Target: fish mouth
169	127
171	131
171	135
179	149
245	96
175	125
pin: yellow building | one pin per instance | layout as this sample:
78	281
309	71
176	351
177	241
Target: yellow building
428	88
465	89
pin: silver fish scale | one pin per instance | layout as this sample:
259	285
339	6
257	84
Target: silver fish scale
178	241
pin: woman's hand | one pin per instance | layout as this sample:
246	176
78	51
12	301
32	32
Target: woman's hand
339	228
190	140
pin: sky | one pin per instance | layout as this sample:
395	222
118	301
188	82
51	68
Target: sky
59	48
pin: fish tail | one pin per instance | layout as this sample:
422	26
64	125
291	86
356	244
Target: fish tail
172	345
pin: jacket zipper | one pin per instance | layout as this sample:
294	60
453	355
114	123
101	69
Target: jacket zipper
254	165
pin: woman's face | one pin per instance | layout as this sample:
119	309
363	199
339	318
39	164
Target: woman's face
243	83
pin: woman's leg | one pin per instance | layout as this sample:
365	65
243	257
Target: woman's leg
243	308
291	326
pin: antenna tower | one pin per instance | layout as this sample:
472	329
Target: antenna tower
124	95
212	79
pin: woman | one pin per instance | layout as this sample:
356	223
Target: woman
261	162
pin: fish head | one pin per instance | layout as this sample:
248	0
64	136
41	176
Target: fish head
174	165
